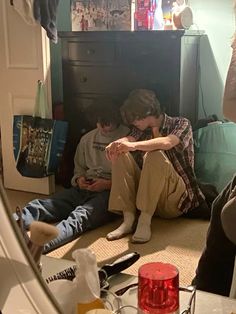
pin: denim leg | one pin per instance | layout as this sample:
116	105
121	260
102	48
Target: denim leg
216	265
53	209
89	215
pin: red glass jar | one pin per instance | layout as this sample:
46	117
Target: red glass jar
158	289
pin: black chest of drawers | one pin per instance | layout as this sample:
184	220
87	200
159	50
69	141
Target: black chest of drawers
95	64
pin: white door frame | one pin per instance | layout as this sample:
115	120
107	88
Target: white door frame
24	59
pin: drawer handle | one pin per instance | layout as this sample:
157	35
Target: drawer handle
91	51
83	79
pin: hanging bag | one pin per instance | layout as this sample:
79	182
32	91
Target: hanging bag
38	141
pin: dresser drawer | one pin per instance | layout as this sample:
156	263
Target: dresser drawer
91	52
146	52
97	79
75	112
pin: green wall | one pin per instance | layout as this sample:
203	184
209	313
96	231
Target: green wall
216	18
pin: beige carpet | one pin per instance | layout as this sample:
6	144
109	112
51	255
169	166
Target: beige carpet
179	242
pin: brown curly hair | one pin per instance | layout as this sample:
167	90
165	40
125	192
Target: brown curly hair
140	104
103	110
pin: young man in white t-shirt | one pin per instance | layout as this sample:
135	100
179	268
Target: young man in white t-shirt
83	206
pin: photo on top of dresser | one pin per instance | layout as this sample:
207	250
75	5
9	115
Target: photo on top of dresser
119	15
167	8
100	15
89	15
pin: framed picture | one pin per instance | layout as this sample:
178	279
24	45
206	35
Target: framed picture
89	15
100	15
119	15
167	6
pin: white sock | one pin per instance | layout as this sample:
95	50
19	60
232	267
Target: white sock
143	230
125	228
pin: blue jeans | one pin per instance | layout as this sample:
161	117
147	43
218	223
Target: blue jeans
73	210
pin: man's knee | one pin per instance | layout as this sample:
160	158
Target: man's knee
156	158
122	161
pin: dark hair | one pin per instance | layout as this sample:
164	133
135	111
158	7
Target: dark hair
104	111
140	104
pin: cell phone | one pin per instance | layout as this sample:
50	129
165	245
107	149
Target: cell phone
89	180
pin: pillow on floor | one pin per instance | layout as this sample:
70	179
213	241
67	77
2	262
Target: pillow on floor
215	153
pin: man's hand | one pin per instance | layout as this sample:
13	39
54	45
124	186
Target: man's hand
99	185
82	183
125	147
96	185
114	149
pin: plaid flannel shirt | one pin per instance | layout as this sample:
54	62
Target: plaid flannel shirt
181	157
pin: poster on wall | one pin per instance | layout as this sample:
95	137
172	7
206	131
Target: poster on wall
100	15
89	15
167	7
153	14
119	15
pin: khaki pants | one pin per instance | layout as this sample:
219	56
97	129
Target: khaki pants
156	189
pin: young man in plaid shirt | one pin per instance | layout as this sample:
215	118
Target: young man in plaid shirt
152	168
